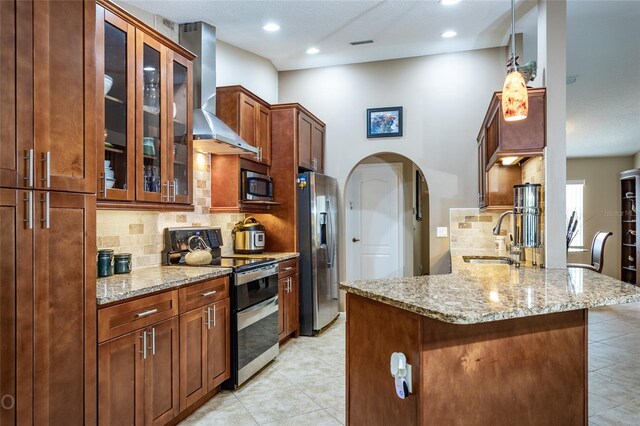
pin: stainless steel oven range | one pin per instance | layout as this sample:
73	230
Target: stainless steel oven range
254	300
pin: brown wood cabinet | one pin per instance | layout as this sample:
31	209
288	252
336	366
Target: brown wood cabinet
47	102
498	138
205	346
163	354
310	141
629	190
226	195
249	116
49	334
145	106
139	376
288	295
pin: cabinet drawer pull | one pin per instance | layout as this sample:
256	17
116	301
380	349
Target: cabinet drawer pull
208	317
146	313
29	177
46	200
209	293
29	201
288	268
167	195
102	185
214	316
153	341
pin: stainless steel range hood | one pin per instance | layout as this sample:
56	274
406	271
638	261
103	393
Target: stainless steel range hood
210	134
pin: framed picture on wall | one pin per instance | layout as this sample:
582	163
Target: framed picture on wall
384	122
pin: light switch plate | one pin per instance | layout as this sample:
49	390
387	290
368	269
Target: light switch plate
441	231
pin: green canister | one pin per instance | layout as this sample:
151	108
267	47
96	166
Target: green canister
122	263
105	263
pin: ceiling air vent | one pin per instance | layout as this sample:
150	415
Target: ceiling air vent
358	43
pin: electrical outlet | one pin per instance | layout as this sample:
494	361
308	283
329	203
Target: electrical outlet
441	232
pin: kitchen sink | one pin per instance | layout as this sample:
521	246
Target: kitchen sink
487	260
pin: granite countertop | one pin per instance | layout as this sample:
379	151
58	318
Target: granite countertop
476	293
279	256
143	281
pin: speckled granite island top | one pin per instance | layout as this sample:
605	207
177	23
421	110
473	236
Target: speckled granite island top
484	293
279	256
150	280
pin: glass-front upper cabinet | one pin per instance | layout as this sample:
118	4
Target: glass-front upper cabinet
116	153
151	168
179	134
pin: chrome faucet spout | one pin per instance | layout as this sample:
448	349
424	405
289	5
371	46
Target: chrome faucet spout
496	229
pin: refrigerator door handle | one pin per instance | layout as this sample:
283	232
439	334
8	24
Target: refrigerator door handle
331	238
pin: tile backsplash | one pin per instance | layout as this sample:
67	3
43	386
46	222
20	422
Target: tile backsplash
472	232
141	233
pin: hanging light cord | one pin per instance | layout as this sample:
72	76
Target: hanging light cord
514	67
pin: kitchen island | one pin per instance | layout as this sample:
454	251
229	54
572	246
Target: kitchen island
488	344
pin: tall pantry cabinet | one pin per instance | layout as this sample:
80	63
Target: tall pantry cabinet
47	212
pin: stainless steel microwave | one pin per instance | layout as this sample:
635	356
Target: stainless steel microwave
256	186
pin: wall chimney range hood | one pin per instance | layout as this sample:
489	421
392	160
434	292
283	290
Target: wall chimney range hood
210	134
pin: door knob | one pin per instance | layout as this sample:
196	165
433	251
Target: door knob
355	240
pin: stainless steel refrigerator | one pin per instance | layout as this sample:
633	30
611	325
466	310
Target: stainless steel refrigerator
317	231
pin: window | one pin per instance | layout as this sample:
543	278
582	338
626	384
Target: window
575	204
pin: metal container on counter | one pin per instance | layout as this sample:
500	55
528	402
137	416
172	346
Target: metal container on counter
105	263
122	263
526	215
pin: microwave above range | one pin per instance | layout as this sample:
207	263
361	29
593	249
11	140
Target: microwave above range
256	186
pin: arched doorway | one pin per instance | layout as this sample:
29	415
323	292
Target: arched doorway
386	212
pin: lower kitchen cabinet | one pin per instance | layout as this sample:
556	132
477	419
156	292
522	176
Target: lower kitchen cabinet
205	346
138	376
288	299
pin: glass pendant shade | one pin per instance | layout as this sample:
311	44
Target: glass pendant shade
515	99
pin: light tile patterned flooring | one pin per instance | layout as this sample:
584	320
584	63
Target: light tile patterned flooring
305	385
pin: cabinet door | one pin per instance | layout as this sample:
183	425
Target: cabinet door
482	173
115	43
317	148
65	308
305	131
180	129
152	181
283	300
121	380
16	298
263	135
193	357
292	305
64	95
218	343
248	115
161	402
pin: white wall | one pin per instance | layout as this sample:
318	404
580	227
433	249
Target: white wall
444	97
255	73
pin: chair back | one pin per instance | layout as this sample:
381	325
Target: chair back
597	249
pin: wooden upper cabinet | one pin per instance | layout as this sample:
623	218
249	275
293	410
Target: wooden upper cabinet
305	132
64	95
317	147
145	117
249	116
523	138
12	164
308	136
64	308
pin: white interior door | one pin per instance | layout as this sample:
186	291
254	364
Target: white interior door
374	222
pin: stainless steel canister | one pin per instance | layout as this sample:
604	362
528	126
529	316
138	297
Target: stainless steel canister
527	214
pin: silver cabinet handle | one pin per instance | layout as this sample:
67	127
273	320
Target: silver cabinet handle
289	281
46	200
144	345
146	313
214	316
103	186
153	341
167	197
288	268
29	177
172	192
46	159
209	293
29	201
208	317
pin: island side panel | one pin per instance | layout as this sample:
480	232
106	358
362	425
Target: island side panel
521	371
374	331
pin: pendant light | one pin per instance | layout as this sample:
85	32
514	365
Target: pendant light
515	99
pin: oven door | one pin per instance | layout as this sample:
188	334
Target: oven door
256	187
257	337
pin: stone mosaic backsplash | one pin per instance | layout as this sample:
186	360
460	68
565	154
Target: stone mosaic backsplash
472	232
141	233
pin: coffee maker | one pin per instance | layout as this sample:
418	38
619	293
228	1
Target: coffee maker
526	223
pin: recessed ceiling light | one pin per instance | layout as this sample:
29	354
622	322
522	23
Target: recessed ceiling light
312	50
449	2
448	34
271	27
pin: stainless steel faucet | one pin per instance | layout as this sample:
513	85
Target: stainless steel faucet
496	229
